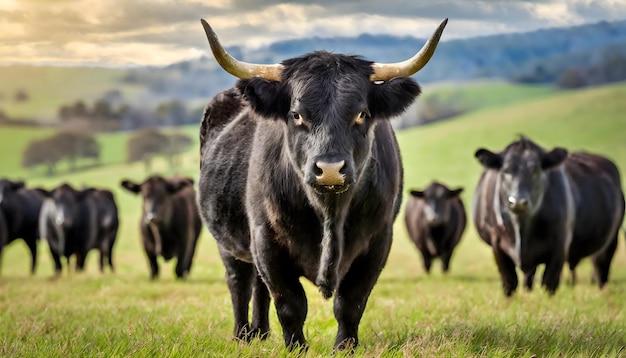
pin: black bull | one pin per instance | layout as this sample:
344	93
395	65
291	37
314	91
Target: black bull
170	224
537	207
301	176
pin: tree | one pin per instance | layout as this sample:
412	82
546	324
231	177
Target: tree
144	145
64	145
40	152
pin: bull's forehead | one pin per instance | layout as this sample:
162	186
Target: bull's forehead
436	191
153	186
339	96
522	159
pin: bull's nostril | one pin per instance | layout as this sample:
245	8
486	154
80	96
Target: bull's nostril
317	170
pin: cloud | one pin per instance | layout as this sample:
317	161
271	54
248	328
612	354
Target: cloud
146	31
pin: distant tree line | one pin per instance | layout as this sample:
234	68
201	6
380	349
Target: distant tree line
63	146
111	113
148	143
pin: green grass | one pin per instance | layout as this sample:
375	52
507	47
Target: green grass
483	94
461	314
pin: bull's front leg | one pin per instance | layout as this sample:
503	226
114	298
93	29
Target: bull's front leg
355	288
281	276
506	267
552	274
554	267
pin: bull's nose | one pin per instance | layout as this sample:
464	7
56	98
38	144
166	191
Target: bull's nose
330	173
150	217
518	205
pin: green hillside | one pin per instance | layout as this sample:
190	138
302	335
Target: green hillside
409	313
49	87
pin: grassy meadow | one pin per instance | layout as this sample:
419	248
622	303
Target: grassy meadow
409	313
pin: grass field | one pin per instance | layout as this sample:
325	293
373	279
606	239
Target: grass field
409	313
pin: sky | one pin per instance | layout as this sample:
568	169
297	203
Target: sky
160	32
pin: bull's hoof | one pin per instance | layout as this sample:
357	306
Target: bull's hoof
347	345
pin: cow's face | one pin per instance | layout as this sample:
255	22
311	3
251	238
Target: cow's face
157	197
329	108
437	202
522	168
66	200
8	189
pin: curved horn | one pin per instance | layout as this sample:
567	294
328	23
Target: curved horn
238	68
387	71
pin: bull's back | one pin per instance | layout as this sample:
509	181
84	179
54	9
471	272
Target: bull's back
458	220
222	185
483	205
599	202
414	219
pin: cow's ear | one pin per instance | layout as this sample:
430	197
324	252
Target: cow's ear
391	98
130	186
489	159
553	158
267	98
417	193
454	193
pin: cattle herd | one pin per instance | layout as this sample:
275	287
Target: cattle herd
301	176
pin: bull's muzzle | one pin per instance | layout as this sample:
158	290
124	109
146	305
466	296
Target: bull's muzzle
518	205
330	177
150	218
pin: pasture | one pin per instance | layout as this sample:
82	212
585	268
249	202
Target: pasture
409	313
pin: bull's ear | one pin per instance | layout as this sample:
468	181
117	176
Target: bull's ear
392	98
553	158
267	98
130	186
488	159
454	193
417	193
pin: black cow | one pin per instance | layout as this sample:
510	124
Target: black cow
20	208
69	222
170	223
547	207
306	180
435	220
107	225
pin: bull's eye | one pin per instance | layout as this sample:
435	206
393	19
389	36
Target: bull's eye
297	118
360	118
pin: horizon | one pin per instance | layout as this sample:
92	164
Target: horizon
118	33
207	54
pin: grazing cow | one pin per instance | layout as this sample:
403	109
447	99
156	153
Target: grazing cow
69	223
107	224
305	181
170	223
20	208
435	219
547	207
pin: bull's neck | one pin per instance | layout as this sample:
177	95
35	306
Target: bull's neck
333	219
